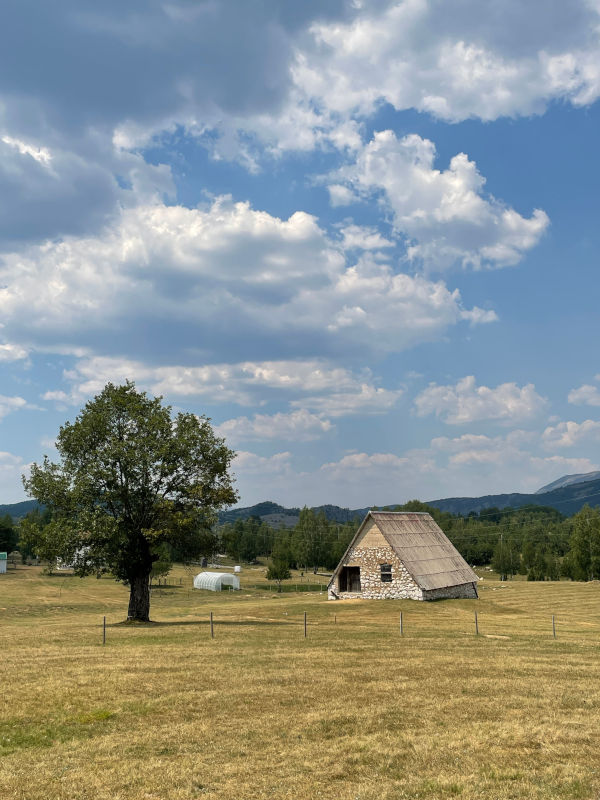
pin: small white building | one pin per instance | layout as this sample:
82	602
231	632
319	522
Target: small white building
216	581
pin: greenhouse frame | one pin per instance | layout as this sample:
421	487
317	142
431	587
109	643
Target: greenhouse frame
216	581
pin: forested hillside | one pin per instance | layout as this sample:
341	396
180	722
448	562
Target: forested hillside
536	541
566	499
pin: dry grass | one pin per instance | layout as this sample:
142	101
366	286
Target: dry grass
353	712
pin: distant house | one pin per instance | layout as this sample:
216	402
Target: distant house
401	554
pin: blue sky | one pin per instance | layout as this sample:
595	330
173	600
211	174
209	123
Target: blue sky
360	235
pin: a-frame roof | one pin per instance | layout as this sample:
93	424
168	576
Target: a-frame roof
422	546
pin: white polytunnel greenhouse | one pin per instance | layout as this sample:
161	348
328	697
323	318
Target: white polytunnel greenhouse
216	581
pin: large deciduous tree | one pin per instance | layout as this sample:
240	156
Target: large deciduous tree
132	477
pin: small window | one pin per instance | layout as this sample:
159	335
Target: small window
386	573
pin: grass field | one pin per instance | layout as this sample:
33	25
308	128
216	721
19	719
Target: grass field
352	712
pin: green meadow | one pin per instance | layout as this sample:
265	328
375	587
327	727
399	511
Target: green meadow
352	711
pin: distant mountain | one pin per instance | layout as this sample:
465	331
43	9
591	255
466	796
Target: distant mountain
18	510
566	499
568	480
276	516
265	509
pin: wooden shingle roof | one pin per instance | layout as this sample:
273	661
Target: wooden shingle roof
423	548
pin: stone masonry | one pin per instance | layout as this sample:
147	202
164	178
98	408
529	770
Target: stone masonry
370	549
369	560
465	590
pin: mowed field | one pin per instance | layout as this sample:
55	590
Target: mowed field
353	711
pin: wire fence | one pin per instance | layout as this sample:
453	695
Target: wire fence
285	587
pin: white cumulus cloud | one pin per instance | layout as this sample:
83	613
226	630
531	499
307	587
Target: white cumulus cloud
331	390
295	426
446	214
455	60
284	282
368	399
12	352
8	404
465	402
586	395
569	434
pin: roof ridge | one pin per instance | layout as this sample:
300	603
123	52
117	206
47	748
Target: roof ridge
422	513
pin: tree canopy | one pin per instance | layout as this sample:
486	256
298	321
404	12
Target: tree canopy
131	478
8	534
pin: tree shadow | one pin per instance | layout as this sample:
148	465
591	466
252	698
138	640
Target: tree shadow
202	623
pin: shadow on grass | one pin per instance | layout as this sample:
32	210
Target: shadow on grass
233	623
59	575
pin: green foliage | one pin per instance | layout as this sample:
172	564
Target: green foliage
279	569
8	534
536	541
28	531
585	543
162	565
506	559
49	541
130	479
246	539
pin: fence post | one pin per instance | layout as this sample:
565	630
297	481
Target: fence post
476	625
401	625
212	630
104	630
553	627
305	624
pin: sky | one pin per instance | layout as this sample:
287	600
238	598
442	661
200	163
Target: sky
360	235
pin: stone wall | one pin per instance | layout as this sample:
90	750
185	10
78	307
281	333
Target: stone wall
402	585
466	590
369	560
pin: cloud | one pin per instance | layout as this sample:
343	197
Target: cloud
11	469
585	395
469	465
245	383
208	67
367	400
362	237
246	463
296	426
12	352
249	80
454	60
251	83
466	402
8	404
569	434
287	285
44	195
497	464
444	213
340	195
48	442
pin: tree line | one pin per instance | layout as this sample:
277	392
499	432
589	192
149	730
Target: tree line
535	541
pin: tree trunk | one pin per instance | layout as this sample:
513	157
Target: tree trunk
139	598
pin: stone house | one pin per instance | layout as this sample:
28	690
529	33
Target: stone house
401	554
